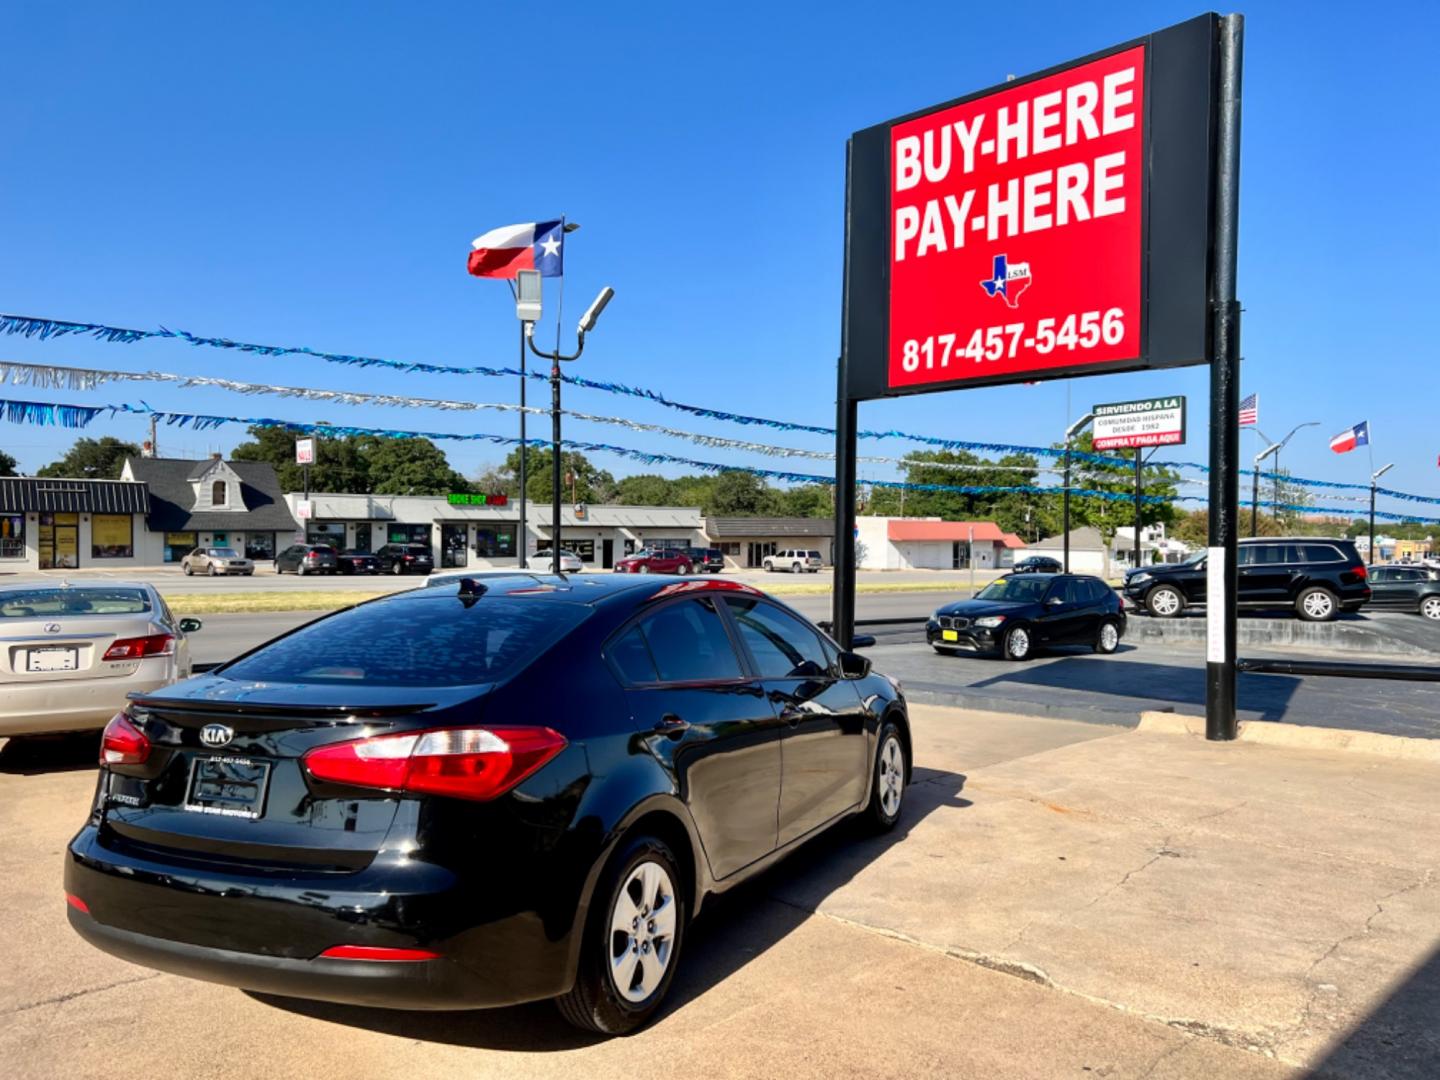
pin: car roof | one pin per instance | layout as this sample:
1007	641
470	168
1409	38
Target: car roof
1296	540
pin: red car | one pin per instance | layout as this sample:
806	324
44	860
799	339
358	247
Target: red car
655	561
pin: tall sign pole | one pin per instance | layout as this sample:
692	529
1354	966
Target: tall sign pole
842	596
1220	697
522	541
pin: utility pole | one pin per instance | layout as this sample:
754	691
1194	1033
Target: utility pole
1065	512
1373	478
1139	485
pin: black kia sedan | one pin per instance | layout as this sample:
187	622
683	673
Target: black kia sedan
462	797
355	561
1013	616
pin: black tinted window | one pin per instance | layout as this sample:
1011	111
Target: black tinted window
1319	553
1094	590
782	645
632	656
689	644
425	640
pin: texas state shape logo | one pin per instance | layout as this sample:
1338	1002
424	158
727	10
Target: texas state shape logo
1008	281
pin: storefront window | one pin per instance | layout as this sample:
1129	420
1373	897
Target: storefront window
495	541
112	536
729	547
12	536
584	548
260	546
452	545
59	541
362	537
407	534
179	544
326	532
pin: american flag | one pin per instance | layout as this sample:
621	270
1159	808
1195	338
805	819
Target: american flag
1250	411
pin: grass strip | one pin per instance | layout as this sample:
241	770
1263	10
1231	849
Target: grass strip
189	603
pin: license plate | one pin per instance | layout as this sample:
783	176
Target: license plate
229	786
61	659
949	635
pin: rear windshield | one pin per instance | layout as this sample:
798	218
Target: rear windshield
421	640
34	603
1030	589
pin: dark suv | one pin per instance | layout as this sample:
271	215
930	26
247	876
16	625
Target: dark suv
1317	576
306	559
405	559
707	560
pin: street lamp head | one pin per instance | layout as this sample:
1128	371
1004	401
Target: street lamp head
1077	425
527	295
571	226
592	314
1381	471
1273	448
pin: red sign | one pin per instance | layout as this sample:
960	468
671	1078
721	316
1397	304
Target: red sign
1016	228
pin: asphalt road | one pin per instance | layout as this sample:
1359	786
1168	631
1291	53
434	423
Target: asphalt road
1072	683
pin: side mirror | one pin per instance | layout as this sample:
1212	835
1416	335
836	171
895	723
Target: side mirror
1055	601
189	626
862	641
853	665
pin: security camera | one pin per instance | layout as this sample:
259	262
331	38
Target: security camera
591	316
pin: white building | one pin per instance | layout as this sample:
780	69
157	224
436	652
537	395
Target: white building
482	531
1088	554
55	524
892	543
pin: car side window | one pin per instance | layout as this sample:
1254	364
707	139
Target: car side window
688	642
1380	575
1407	575
632	656
1247	555
782	645
1093	591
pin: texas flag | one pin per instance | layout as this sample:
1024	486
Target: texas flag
538	245
1359	435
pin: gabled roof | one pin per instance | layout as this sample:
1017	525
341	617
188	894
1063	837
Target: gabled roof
19	494
906	529
1086	538
172	497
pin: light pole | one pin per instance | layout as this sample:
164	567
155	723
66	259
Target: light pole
587	323
1374	477
1065	513
1277	447
1273	448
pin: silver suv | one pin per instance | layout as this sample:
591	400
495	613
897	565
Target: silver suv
793	561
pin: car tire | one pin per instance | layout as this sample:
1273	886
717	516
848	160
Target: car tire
1317	604
1165	602
1107	637
1017	645
887	788
597	1001
186	568
1430	608
300	569
683	569
396	569
795	568
210	570
644	568
768	567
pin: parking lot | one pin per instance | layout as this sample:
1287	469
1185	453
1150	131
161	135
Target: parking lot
1062	899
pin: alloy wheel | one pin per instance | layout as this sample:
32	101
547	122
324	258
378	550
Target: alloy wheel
1165	602
892	776
642	931
1319	605
1017	643
1109	637
1430	608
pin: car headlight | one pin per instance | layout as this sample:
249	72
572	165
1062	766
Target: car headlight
1140	578
990	621
935	616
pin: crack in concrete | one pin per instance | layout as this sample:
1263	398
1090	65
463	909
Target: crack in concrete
61	999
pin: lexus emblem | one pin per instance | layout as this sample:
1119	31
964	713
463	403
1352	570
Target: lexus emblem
52	627
216	734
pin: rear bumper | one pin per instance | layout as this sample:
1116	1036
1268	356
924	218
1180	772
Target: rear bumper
189	922
77	705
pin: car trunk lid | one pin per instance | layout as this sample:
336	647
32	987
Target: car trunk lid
61	648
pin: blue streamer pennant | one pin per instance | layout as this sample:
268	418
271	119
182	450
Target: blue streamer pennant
44	329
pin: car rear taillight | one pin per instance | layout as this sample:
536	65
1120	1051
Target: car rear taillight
78	904
134	648
314	556
376	952
123	743
466	763
1361	572
409	558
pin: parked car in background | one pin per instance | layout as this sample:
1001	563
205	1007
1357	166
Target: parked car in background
405	559
305	559
1037	564
655	561
216	560
707	560
793	561
482	796
73	652
1015	615
355	561
1317	577
570	563
1411	587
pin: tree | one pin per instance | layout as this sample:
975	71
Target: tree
413	466
1109	514
495	480
961	468
339	461
644	489
581	480
93	459
741	494
807	500
7	465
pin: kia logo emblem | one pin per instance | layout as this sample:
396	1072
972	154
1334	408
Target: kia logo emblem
216	734
52	627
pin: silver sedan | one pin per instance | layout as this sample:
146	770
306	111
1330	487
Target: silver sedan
70	654
216	560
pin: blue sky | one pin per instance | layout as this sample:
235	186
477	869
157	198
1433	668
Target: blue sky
312	175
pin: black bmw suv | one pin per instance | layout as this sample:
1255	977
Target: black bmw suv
1318	577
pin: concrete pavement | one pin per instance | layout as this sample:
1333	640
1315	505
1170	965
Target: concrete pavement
1061	900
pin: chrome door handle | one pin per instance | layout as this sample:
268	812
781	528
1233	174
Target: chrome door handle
670	724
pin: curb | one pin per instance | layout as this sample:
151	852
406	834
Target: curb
1296	736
